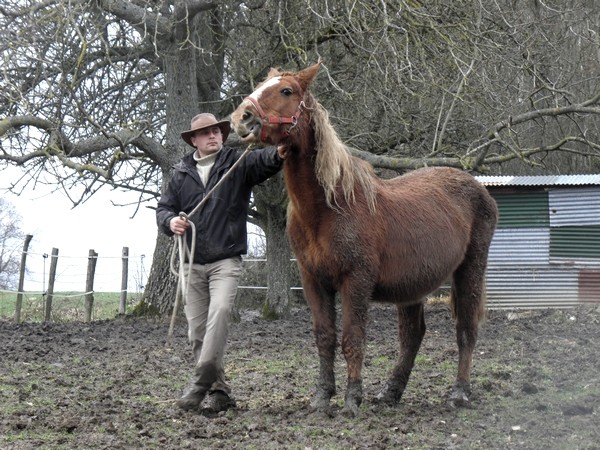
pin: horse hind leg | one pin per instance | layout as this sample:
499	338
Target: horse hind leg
467	300
411	329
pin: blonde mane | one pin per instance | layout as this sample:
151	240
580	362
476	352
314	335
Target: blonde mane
335	164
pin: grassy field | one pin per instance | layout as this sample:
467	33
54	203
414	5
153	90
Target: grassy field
66	306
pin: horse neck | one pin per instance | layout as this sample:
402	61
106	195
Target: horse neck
304	191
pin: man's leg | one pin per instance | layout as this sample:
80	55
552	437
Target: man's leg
196	312
223	277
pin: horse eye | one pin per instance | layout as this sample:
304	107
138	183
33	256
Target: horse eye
287	92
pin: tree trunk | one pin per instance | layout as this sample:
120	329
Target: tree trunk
278	264
271	212
182	104
193	84
193	80
160	291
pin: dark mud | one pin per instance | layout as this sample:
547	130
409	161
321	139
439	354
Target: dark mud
112	385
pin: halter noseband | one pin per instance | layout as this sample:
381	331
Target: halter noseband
293	120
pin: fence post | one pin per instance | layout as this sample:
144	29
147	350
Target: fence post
89	285
124	274
19	302
51	280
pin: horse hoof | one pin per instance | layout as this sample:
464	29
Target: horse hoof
322	414
384	399
458	402
387	397
458	397
350	410
319	404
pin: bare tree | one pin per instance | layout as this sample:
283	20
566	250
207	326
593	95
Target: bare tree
11	241
470	84
96	92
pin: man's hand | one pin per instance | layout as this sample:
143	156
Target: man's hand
282	151
178	225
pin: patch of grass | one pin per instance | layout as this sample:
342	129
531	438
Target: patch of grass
439	299
66	306
46	439
269	313
447	365
423	360
382	361
284	363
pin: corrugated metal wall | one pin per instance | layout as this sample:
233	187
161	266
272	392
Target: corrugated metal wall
546	249
574	206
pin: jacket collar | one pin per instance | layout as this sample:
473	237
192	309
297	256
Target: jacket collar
188	163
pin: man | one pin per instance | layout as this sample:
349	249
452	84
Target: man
221	239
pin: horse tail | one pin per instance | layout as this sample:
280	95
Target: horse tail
468	293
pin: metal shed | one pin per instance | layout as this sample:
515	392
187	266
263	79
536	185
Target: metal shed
546	249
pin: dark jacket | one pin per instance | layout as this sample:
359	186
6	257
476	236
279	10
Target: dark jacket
221	222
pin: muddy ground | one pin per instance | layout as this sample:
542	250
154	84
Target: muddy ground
112	385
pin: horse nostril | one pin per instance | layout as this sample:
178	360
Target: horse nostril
247	116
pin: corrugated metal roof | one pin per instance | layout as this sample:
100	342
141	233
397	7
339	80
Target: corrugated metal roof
541	180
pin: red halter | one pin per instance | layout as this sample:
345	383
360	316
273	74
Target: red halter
293	120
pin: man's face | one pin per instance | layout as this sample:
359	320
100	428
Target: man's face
207	141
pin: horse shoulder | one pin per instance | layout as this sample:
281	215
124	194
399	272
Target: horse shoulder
309	234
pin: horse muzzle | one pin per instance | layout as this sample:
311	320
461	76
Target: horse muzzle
246	125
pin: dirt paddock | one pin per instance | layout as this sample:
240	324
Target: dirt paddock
112	385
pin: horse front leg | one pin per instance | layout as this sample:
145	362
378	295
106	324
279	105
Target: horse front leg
355	304
322	306
411	329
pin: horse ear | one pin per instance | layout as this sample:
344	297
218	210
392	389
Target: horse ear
273	73
305	77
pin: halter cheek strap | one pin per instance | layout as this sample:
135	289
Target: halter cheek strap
277	120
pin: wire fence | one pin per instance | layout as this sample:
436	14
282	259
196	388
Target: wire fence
72	271
45	298
56	288
66	306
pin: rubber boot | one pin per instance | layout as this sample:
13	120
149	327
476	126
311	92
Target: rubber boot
192	396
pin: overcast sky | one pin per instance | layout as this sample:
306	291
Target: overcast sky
96	224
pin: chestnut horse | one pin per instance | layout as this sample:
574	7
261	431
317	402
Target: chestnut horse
371	239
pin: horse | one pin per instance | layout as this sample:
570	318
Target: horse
371	239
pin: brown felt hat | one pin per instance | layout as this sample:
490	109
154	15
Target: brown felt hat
205	120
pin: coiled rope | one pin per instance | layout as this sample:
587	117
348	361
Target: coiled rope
181	247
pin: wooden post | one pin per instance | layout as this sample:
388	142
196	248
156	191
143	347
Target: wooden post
51	280
19	302
124	274
89	285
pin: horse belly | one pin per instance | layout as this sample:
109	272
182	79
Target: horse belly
415	265
408	290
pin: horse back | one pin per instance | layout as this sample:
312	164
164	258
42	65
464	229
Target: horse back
436	218
418	234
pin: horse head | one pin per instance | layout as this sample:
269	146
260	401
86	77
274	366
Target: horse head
272	111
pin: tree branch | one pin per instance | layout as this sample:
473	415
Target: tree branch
59	143
582	108
143	20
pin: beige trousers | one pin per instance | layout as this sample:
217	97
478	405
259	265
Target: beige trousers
212	291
